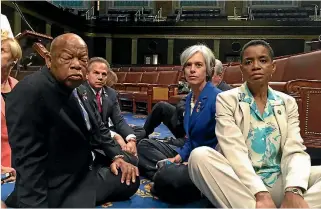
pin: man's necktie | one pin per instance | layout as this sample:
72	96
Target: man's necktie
98	97
83	110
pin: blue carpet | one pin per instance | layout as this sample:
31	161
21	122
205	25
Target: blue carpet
143	197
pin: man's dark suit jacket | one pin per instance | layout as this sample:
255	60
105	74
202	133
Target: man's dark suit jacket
51	145
224	86
111	109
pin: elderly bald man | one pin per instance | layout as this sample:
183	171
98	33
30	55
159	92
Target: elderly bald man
52	132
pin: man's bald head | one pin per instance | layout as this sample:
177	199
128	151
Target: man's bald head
63	39
68	59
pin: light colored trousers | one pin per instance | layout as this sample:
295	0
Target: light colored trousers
212	174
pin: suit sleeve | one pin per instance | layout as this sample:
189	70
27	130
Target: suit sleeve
26	122
186	150
295	162
232	143
118	120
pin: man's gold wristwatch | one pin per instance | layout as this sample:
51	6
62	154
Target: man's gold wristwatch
294	190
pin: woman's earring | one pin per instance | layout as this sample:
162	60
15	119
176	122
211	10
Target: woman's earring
242	77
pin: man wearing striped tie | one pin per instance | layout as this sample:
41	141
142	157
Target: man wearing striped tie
105	100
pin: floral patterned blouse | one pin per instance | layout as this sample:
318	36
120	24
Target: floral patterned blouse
263	140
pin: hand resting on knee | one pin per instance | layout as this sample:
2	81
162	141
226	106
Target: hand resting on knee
129	171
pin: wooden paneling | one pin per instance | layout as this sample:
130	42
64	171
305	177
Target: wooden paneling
286	47
99	47
148	46
181	44
121	49
226	49
281	47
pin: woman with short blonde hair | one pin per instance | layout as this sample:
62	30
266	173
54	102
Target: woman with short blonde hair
10	55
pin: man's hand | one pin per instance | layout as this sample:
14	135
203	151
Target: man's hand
120	141
9	170
176	159
129	172
292	200
131	148
264	200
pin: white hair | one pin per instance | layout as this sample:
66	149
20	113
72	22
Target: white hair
218	69
207	54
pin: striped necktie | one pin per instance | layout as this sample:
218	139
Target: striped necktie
83	110
98	100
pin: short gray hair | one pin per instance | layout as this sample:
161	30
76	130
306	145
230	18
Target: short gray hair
98	59
207	54
218	69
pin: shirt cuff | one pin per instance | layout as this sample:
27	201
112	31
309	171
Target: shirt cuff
130	136
112	133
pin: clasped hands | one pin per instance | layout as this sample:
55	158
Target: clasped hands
130	147
290	200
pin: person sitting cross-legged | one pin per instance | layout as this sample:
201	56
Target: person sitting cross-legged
171	181
53	131
261	162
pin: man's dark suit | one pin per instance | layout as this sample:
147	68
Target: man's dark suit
51	147
224	86
111	109
172	117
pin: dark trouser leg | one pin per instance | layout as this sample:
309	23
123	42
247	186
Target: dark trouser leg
101	159
140	132
12	200
109	186
161	112
149	153
177	130
178	142
173	184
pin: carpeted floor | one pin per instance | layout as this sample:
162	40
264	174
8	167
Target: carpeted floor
143	197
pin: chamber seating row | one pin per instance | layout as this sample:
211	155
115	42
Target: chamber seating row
139	84
147	87
283	14
145	68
